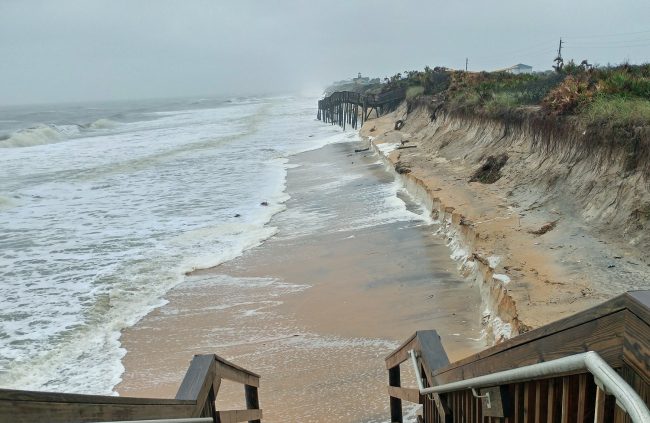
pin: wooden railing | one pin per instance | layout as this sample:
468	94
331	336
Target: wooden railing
195	398
618	330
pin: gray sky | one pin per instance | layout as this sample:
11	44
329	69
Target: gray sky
54	51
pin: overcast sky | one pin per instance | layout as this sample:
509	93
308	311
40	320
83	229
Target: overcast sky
57	51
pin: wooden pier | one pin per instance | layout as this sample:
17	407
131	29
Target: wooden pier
344	107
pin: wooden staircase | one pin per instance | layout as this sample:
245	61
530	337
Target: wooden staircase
195	399
618	331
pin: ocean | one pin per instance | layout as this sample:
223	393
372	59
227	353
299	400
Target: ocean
105	207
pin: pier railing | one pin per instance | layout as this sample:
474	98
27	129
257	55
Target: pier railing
342	107
195	399
557	373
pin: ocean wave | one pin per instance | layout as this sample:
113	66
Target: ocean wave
39	135
49	133
102	124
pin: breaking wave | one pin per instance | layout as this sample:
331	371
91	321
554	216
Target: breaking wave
49	133
40	134
103	124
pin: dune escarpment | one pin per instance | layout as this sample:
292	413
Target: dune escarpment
547	219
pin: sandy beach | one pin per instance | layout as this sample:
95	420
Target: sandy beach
314	310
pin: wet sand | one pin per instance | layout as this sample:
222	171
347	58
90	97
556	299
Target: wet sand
316	308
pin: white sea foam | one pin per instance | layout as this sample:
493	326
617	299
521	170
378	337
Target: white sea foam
111	219
504	279
387	147
494	261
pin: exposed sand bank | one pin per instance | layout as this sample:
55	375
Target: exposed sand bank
527	279
315	309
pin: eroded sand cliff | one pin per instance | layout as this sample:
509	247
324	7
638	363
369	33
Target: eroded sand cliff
562	228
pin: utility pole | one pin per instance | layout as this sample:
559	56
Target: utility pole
466	61
559	61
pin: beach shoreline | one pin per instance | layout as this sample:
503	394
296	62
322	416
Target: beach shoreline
319	309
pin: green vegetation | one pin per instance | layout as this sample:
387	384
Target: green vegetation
617	111
414	92
613	96
498	93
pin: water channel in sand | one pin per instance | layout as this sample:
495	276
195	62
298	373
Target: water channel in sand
353	270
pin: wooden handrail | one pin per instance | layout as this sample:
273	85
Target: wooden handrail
195	398
201	385
427	343
617	330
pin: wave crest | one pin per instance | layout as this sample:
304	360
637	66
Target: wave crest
38	135
102	124
49	134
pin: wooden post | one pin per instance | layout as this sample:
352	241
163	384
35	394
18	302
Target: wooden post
599	412
395	403
566	404
582	396
252	400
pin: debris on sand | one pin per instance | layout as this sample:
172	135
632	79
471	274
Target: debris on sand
545	228
401	168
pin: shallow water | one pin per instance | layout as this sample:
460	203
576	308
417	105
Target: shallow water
354	269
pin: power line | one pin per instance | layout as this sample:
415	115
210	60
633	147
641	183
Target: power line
515	51
621	46
609	35
620	43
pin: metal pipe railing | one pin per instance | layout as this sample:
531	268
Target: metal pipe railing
605	377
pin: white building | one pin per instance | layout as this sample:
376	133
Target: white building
520	68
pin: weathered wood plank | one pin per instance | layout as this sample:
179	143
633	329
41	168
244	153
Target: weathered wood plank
252	400
235	374
400	354
610	307
566	400
54	412
639	304
582	397
529	402
432	353
636	347
604	335
18	395
551	409
406	394
199	381
442	408
235	416
395	403
599	416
